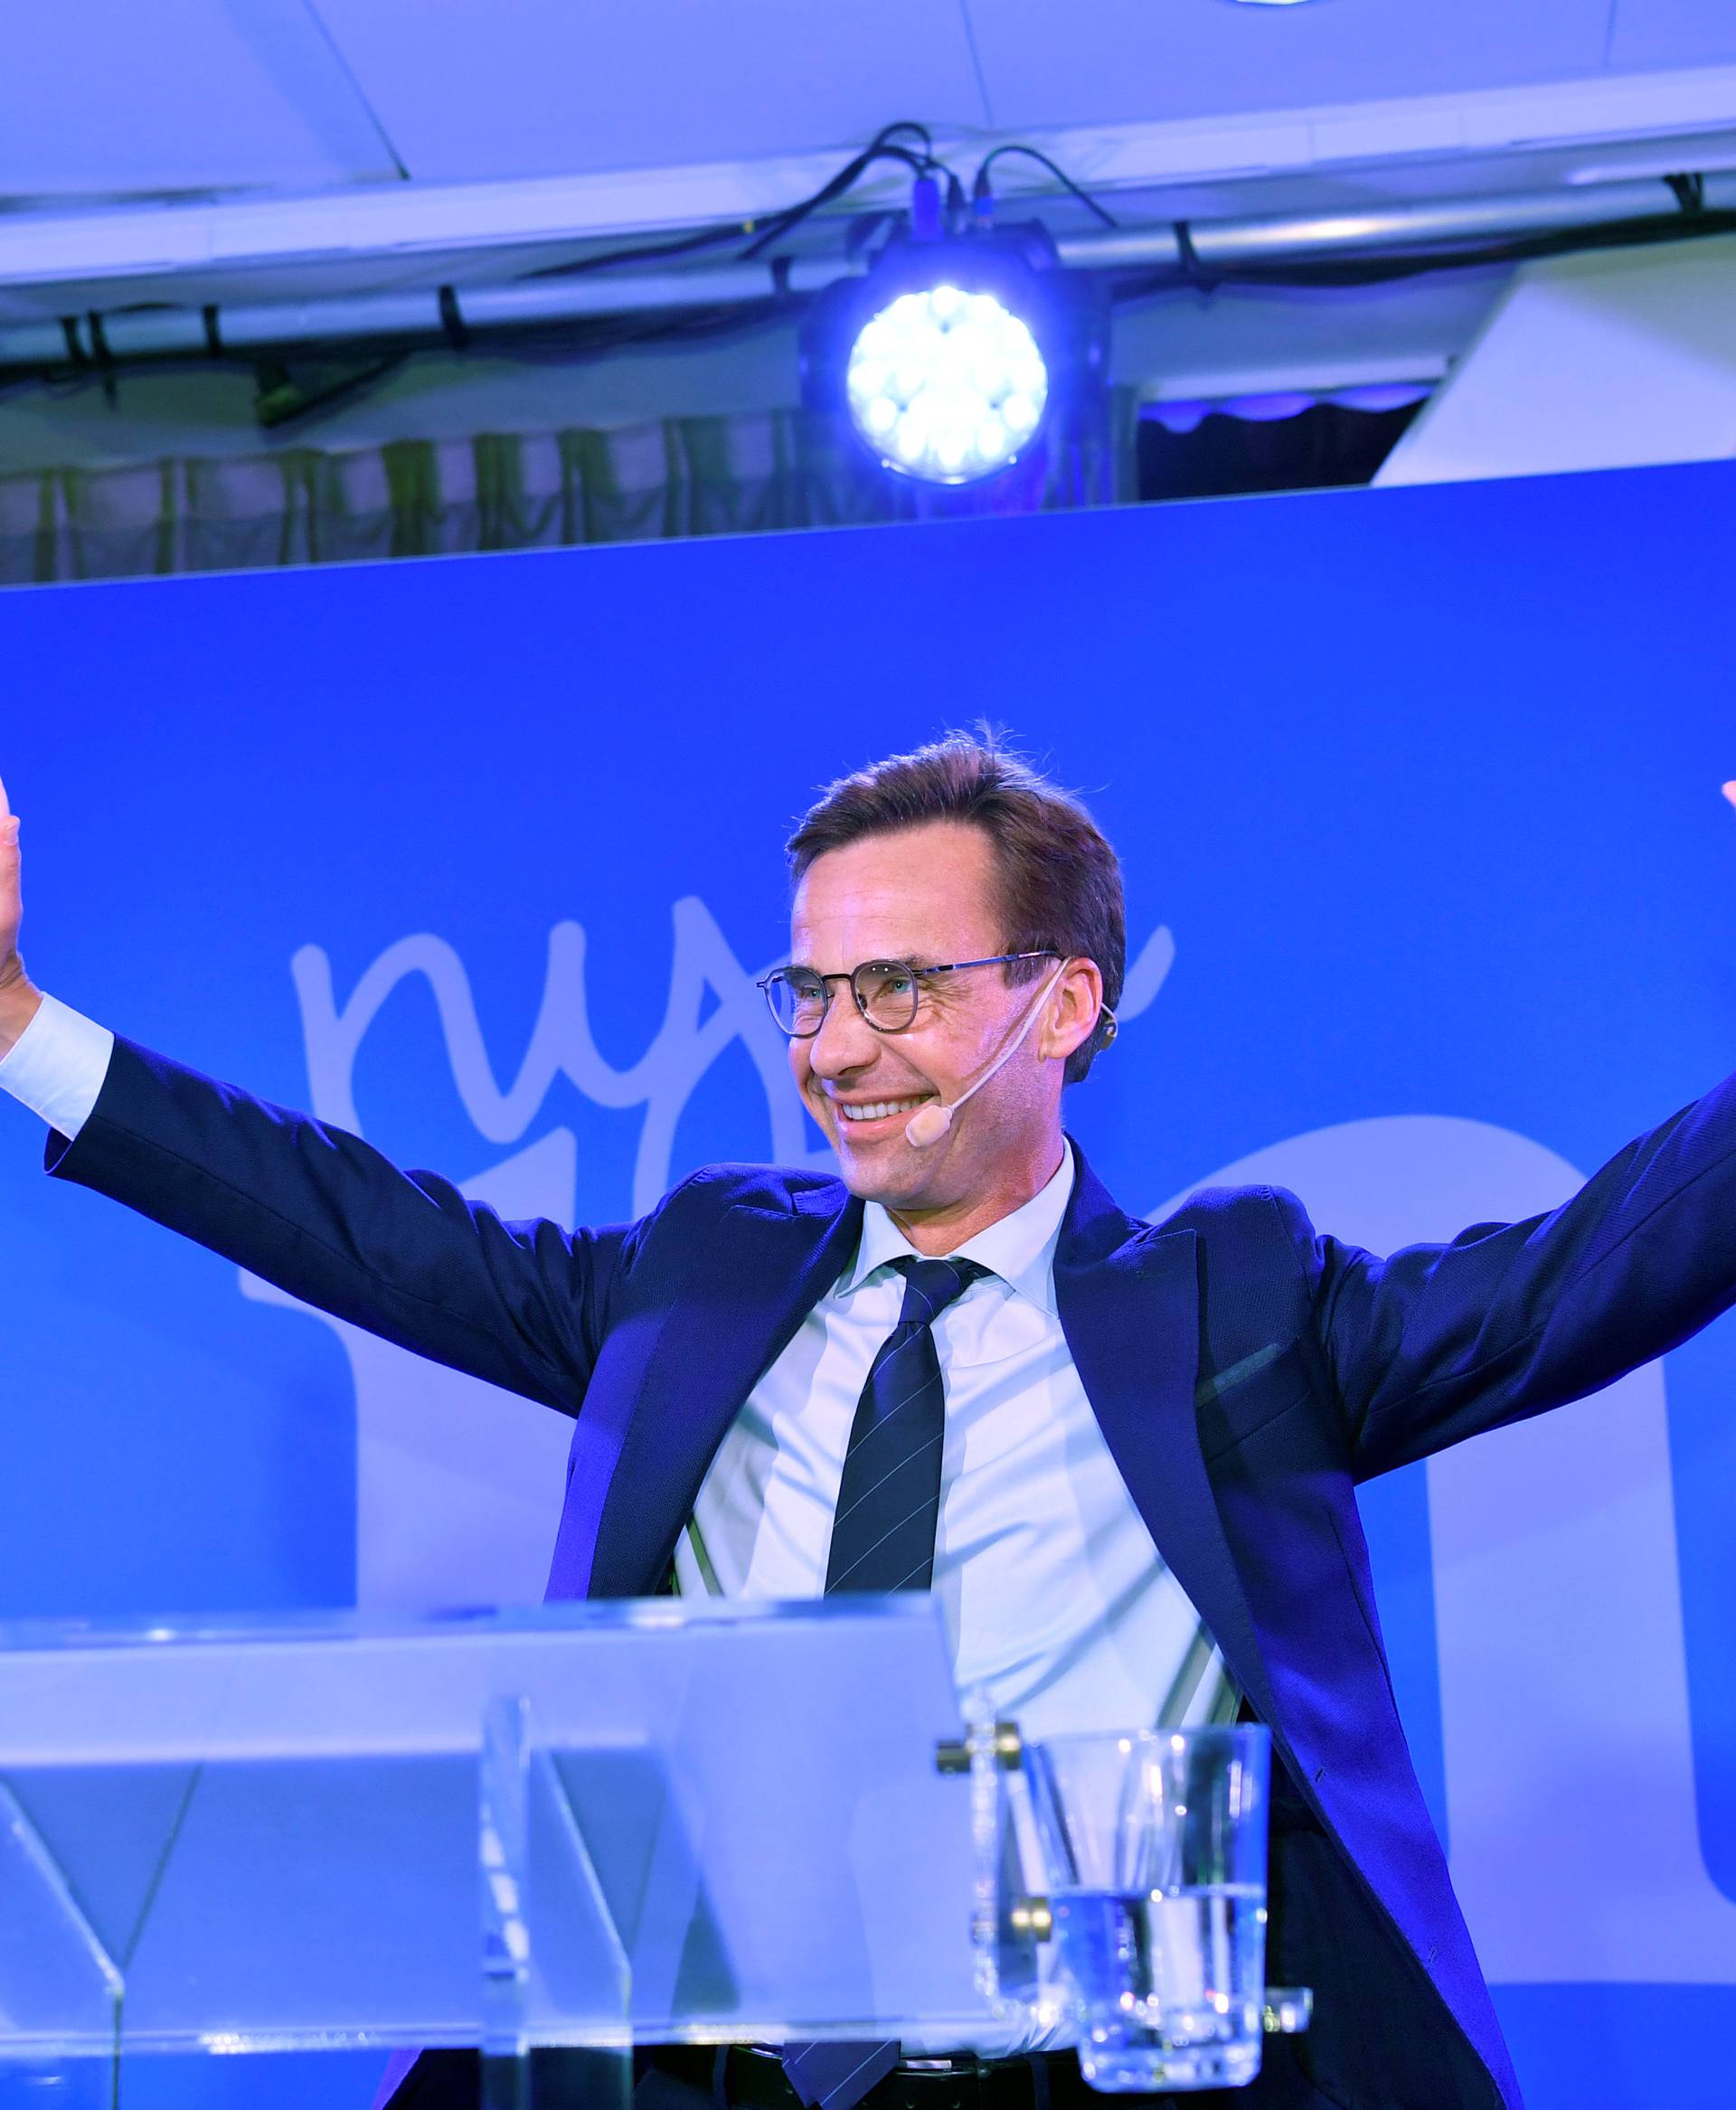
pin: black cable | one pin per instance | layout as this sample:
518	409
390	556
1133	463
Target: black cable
683	245
910	125
1464	255
589	337
457	333
102	358
282	398
846	180
1193	270
763	232
1060	175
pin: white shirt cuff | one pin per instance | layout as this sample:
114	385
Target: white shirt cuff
57	1065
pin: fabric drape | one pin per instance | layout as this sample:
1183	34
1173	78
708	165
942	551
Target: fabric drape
738	474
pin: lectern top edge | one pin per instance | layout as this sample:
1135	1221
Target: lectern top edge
644	1614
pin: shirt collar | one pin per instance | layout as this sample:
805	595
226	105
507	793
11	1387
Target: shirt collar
1020	1249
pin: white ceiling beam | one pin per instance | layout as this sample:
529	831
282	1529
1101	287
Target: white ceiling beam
405	220
163	329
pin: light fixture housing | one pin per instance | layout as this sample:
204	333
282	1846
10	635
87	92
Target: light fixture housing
953	353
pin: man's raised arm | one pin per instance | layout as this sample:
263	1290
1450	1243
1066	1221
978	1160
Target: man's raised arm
315	1211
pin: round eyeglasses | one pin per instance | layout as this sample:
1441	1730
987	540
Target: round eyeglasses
886	991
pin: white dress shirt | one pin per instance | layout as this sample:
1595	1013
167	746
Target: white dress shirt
1055	1602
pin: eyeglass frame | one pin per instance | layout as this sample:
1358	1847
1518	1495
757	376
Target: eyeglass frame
765	983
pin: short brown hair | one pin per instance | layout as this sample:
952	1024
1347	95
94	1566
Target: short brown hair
1061	881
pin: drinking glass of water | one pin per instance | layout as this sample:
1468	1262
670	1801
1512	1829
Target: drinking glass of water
1155	1848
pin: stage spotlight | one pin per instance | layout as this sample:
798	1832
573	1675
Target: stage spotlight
952	353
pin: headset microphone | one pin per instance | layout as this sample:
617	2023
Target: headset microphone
928	1125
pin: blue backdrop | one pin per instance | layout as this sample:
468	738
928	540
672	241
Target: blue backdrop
1434	904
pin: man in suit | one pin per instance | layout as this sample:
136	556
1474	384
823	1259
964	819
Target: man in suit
1123	1455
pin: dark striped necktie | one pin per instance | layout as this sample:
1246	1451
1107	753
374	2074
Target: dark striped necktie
883	1540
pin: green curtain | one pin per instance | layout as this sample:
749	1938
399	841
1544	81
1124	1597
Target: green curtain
514	491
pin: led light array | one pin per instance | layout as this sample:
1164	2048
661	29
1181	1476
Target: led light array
946	385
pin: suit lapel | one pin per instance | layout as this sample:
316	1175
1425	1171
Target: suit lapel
741	1297
1128	1299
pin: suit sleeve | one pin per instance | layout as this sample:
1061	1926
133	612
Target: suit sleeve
1436	1343
323	1215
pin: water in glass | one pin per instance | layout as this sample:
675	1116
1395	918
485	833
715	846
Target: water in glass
1155	1849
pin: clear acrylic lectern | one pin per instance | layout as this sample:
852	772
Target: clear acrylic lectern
584	1826
581	1826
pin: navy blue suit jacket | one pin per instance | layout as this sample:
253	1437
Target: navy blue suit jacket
1246	1371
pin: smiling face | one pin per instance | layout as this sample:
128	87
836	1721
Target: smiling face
930	894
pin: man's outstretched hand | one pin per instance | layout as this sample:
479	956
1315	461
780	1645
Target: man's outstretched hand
19	1000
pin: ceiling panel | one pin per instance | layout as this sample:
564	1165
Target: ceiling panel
109	97
528	88
1117	61
1673	32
